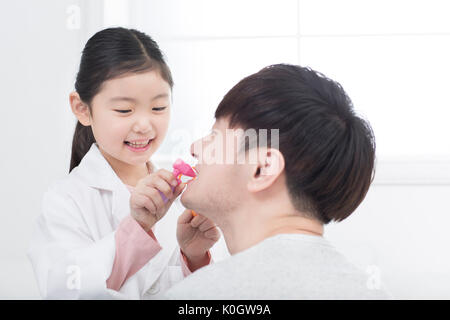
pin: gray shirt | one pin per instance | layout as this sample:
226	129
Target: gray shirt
285	266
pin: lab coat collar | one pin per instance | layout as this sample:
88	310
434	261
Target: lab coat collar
97	171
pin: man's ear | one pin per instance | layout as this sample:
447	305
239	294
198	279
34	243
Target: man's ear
270	165
79	109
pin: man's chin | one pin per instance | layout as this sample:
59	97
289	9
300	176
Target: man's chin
187	202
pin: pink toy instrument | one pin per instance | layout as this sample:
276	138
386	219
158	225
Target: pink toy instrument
181	168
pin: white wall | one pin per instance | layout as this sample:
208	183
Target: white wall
398	234
40	51
403	232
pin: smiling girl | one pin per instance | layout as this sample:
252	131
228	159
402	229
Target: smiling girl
105	231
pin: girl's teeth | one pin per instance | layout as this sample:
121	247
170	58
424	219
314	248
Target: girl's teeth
137	145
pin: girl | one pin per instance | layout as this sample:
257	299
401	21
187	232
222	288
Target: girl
105	231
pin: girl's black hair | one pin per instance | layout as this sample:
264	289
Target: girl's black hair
109	53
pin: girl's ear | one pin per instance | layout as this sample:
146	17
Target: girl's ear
79	109
269	167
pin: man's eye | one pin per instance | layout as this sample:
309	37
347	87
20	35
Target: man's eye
159	108
123	111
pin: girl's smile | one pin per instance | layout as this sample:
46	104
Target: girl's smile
139	147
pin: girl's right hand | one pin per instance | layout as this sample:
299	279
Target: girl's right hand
146	204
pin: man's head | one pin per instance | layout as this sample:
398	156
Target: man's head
322	158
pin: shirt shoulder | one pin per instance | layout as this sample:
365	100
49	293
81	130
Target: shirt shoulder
205	283
282	267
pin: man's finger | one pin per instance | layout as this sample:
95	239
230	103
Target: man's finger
212	234
185	217
197	220
205	225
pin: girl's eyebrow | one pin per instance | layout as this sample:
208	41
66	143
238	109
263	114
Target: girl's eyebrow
122	99
161	95
130	99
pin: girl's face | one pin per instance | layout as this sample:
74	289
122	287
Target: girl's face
131	108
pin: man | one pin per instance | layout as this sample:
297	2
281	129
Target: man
303	159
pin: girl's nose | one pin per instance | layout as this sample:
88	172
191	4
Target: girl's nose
143	125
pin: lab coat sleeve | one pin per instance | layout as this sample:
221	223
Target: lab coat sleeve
134	248
67	262
184	263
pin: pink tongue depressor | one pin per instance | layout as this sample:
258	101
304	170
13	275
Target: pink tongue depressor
180	168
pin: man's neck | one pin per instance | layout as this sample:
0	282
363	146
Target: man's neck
246	231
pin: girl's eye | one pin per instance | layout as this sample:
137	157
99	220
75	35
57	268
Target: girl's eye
159	109
123	111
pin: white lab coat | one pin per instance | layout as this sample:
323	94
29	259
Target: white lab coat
73	247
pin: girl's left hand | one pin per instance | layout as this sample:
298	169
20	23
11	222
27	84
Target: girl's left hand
196	235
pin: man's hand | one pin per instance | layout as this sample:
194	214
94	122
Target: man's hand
196	235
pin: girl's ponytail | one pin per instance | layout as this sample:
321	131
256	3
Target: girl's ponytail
110	53
83	139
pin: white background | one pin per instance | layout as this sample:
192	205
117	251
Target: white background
390	56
